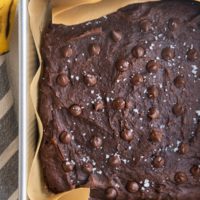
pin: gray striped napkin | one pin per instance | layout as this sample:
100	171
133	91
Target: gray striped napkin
8	139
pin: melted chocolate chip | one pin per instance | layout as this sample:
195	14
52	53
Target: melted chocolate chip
145	25
99	105
90	80
153	113
95	49
116	36
178	109
67	52
137	79
179	81
114	161
87	167
119	103
168	53
195	170
192	54
132	187
75	110
183	148
158	162
127	135
111	193
122	65
156	135
68	167
62	80
180	177
96	142
153	66
65	137
138	52
173	24
152	92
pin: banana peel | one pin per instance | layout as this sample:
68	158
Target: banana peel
7	15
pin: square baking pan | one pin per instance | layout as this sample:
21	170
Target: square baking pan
27	123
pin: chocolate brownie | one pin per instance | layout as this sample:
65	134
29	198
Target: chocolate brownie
119	99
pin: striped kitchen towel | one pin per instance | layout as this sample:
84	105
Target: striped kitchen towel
8	139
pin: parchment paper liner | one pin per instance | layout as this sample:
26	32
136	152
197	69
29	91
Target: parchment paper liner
68	12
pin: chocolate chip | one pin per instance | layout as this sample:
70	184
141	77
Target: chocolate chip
75	110
158	162
53	141
127	135
68	167
168	53
119	103
122	65
179	81
180	177
178	109
153	113
132	186
116	36
99	105
67	52
95	49
156	135
173	24
96	142
114	161
195	170
129	104
87	167
137	79
192	54
152	92
111	193
183	148
153	66
160	188
90	80
62	80
145	25
138	52
65	137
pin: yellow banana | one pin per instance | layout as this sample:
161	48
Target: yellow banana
7	14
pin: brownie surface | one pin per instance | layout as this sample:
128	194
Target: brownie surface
119	99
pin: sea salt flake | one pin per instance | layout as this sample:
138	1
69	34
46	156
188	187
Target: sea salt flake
146	183
194	69
107	156
198	112
99	172
136	110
